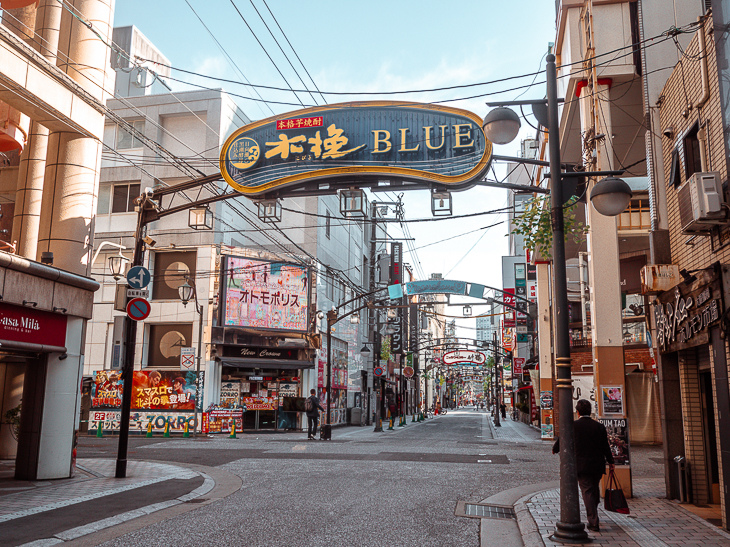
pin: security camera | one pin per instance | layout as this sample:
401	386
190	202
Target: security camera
668	132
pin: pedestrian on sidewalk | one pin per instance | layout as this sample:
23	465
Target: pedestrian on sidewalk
503	409
312	408
592	451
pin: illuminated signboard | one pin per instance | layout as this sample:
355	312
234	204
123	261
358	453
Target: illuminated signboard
464	356
265	295
401	140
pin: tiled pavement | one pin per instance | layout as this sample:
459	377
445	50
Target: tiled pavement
653	522
94	479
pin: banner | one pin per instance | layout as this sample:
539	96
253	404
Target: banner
163	389
139	420
265	295
151	389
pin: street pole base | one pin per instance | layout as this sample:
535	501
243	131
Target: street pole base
570	533
325	433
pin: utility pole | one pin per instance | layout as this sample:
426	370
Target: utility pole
373	318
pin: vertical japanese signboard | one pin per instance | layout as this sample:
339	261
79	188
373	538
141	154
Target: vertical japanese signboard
396	278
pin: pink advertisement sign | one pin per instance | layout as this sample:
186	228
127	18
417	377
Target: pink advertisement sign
265	295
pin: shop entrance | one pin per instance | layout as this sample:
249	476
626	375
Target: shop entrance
260	390
709	435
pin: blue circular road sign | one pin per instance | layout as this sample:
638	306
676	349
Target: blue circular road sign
138	277
138	309
378	371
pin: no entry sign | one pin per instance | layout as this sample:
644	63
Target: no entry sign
138	309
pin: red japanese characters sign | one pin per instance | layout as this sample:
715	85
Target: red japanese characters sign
297	123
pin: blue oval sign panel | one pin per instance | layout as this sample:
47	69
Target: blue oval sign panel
399	140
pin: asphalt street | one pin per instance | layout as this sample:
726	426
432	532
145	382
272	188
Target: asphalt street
396	488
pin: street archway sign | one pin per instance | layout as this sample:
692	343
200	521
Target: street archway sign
401	140
464	356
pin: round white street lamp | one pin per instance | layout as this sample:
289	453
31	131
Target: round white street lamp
611	196
501	125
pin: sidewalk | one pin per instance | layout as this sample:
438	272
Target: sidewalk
653	522
52	512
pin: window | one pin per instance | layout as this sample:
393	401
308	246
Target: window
692	154
117	198
330	286
171	271
328	225
165	343
126	138
636	216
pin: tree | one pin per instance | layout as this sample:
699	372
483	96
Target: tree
534	224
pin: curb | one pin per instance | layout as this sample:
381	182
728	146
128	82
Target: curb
109	528
529	531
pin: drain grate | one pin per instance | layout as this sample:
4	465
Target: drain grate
488	511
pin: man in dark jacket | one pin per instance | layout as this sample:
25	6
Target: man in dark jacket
313	414
591	454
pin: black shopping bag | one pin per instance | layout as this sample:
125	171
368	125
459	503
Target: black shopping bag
614	499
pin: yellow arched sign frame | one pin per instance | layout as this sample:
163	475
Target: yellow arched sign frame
326	172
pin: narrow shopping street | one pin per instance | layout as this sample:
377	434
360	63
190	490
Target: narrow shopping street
403	487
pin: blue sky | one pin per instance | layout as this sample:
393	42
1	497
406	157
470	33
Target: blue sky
358	47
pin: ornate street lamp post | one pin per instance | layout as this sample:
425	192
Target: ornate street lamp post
610	197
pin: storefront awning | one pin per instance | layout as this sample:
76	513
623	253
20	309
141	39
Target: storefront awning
266	364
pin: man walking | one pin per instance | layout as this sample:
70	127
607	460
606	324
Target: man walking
591	454
312	408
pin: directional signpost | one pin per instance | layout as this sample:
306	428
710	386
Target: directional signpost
138	277
138	309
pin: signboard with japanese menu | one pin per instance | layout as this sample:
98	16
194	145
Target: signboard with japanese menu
265	295
405	140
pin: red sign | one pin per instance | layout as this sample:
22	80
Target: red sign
297	123
408	372
21	324
518	362
138	309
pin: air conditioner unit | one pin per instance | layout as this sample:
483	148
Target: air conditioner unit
701	203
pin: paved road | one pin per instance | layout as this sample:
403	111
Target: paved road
396	488
361	488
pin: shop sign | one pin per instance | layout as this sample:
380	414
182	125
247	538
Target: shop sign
399	140
683	315
106	389
230	394
519	363
151	389
546	400
265	295
464	356
255	352
618	439
259	403
21	324
140	419
256	378
657	278
218	420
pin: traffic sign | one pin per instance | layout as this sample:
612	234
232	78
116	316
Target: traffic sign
138	309
138	293
187	358
138	277
408	372
378	371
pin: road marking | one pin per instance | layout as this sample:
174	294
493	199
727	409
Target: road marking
484	461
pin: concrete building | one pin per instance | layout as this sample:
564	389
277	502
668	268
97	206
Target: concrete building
610	86
689	154
55	78
259	367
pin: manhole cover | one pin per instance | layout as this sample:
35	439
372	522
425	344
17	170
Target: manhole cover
488	511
